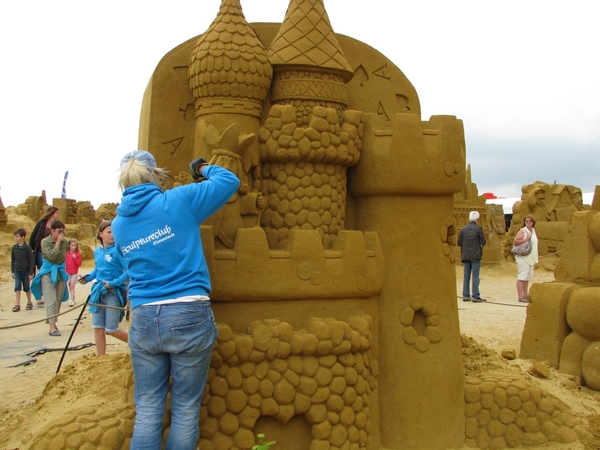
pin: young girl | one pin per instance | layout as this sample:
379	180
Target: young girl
109	289
73	262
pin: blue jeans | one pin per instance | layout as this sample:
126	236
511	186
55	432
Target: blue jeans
170	340
22	280
39	259
108	318
471	266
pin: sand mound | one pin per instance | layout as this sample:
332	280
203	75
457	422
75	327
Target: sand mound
89	382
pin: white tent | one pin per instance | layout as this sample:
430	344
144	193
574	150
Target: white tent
507	203
588	198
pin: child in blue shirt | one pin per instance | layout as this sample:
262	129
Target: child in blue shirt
108	290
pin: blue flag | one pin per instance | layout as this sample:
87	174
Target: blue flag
64	189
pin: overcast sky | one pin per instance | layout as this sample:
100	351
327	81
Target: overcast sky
524	76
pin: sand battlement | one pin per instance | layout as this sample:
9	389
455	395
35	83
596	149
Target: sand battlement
250	271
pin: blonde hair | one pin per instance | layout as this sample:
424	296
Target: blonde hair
74	240
134	172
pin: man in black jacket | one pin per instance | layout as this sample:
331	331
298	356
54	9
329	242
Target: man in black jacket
471	241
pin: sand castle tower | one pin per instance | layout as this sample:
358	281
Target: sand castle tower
229	75
306	142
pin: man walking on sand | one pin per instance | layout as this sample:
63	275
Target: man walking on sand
471	241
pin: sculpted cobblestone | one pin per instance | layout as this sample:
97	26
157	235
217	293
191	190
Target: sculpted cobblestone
512	413
329	389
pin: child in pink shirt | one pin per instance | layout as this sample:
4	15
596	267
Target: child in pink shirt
72	263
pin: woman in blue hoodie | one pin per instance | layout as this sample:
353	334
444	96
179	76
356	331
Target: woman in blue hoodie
109	289
172	328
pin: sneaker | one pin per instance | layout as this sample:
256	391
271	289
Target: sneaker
54	333
466	299
71	302
524	300
479	299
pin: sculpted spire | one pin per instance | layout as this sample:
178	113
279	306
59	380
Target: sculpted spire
306	38
229	70
307	58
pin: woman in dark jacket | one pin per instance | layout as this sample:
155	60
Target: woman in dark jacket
42	230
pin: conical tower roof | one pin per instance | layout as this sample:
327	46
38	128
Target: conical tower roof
306	38
229	62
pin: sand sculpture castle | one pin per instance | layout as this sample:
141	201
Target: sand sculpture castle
333	265
339	234
563	325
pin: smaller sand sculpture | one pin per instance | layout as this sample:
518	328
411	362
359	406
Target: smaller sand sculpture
84	212
553	207
563	319
80	216
491	219
105	211
33	207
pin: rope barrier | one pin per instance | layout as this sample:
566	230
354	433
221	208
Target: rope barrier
550	254
499	303
46	350
7	327
41	351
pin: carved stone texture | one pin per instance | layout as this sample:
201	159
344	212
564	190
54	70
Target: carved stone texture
305	152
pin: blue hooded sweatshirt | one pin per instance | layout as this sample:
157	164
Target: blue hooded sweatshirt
110	266
158	235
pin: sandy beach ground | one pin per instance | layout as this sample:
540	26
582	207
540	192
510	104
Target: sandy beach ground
32	395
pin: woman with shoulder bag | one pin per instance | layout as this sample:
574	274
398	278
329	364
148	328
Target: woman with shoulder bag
525	263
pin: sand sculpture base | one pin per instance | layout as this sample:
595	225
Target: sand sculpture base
318	398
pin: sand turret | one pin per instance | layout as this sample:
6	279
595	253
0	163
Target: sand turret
229	75
307	60
309	139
